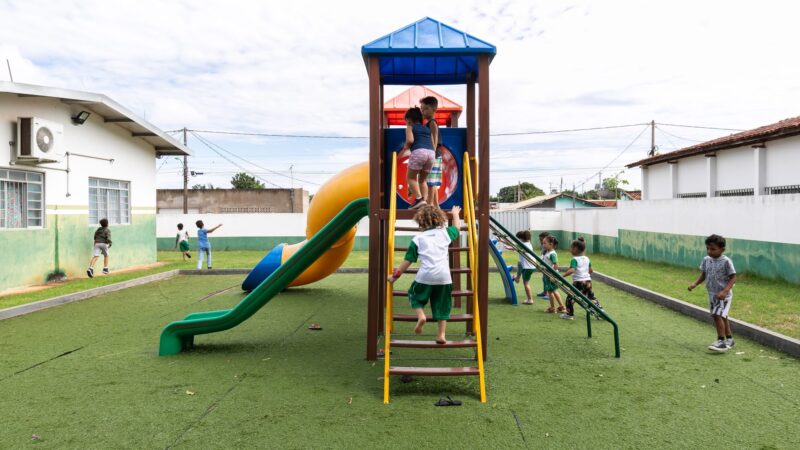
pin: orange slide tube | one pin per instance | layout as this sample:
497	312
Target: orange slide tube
344	187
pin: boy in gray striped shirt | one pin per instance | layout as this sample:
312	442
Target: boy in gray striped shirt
719	274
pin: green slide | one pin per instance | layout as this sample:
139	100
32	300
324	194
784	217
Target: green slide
179	335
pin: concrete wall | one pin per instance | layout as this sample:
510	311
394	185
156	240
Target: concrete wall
738	168
65	240
218	201
760	230
253	231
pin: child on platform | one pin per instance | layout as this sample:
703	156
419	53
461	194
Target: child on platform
429	105
720	276
420	163
433	281
203	244
525	268
549	245
580	267
182	240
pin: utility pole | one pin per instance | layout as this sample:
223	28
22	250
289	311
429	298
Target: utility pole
291	190
573	195
599	183
561	186
519	194
185	176
652	138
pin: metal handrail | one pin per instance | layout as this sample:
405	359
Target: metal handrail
510	240
469	217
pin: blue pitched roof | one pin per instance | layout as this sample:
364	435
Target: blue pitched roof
428	52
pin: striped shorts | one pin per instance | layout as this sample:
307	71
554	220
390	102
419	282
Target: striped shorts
719	307
435	176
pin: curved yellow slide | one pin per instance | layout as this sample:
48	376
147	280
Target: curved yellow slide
344	187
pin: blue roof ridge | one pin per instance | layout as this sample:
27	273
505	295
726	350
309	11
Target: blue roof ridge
467	37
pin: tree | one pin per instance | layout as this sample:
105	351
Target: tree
203	187
518	192
244	181
611	187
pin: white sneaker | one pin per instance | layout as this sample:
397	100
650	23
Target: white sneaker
719	346
566	317
730	342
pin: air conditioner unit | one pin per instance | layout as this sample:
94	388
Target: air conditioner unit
39	140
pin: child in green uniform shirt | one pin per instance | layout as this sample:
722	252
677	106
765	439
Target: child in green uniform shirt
433	281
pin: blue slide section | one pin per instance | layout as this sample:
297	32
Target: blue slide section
505	272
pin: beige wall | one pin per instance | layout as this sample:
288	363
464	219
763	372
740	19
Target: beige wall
218	201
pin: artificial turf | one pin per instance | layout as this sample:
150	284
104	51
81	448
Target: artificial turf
86	375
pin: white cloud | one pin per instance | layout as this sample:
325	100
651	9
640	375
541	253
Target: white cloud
295	67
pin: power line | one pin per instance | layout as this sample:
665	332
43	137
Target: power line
204	142
208	142
700	127
676	136
610	127
618	155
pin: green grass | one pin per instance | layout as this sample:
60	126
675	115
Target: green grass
235	259
86	375
767	303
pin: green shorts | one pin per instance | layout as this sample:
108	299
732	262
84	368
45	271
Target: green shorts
526	274
184	246
439	296
549	285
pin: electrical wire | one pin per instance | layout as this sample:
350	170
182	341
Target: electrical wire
618	155
204	142
700	127
675	135
210	143
610	127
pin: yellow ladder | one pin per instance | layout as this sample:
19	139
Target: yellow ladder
389	370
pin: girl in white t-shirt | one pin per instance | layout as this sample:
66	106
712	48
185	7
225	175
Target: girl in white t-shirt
580	267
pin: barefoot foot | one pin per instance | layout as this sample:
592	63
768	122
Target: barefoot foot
420	323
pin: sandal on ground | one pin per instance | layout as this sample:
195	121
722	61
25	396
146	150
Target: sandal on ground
315	327
528	302
550	310
561	309
447	401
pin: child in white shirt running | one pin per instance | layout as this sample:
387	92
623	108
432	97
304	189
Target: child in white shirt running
525	268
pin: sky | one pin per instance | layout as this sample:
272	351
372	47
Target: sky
296	68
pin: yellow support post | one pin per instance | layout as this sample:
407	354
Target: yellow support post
388	323
469	217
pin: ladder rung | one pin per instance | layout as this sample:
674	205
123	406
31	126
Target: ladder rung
451	249
413	318
434	371
407	343
454	293
452	270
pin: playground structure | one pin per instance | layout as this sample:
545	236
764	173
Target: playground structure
425	52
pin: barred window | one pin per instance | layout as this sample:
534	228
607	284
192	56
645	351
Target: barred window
21	199
109	199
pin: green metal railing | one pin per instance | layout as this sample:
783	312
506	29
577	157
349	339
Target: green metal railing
510	240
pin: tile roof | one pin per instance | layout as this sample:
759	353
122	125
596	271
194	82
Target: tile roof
633	195
784	128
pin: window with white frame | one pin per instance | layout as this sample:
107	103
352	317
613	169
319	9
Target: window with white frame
21	199
109	199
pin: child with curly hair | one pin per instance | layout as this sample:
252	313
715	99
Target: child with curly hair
433	281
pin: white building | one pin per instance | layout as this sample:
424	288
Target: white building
62	171
756	162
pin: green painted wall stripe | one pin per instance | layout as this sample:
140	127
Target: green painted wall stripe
66	244
772	260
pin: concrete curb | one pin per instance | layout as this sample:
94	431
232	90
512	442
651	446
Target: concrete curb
763	336
15	311
213	272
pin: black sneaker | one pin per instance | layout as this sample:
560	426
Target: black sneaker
719	346
189	256
418	204
90	272
105	270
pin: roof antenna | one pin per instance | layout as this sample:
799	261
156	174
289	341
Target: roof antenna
9	70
